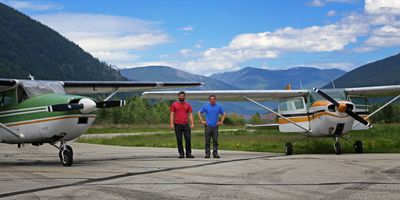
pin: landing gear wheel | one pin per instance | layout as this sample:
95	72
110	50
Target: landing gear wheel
338	148
66	155
289	148
358	147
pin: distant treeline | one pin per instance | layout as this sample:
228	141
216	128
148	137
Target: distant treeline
143	111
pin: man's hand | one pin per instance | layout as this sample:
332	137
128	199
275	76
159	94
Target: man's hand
171	126
220	123
192	126
203	122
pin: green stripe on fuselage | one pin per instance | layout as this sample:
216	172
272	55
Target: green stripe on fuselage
36	102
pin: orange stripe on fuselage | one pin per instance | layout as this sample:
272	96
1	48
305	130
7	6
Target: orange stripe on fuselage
307	118
46	120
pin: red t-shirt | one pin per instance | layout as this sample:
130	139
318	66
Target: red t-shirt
181	111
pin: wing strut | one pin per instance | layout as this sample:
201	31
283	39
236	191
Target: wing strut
111	95
12	132
276	113
379	109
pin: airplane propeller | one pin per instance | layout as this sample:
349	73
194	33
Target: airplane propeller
85	105
343	108
64	107
110	104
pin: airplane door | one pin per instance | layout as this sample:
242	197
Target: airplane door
294	109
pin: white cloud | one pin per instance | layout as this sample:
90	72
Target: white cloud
382	7
113	39
36	6
187	28
385	36
327	38
198	46
331	13
383	17
316	3
321	3
271	45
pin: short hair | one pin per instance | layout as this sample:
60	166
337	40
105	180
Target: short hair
212	96
181	92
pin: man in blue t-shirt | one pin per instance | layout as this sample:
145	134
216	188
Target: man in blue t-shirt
211	110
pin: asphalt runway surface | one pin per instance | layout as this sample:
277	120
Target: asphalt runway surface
109	172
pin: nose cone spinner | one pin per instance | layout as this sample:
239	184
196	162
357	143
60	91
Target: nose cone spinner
89	105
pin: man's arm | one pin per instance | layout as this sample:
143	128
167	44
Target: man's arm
171	121
191	120
222	119
201	118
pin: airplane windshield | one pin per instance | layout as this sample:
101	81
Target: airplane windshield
337	94
34	88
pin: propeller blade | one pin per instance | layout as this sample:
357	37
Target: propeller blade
64	107
327	97
347	110
110	104
357	117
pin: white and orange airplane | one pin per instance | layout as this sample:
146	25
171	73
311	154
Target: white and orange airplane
320	113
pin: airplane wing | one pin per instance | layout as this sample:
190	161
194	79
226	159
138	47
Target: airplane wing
228	95
94	87
375	91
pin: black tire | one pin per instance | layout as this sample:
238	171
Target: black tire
289	148
66	156
338	148
358	147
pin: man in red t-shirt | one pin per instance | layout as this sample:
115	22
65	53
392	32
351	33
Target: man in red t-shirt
179	122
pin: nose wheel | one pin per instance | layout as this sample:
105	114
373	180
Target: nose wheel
66	155
337	146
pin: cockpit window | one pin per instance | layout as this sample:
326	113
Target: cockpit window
337	94
7	98
293	104
34	88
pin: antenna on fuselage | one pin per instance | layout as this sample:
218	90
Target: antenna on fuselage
31	77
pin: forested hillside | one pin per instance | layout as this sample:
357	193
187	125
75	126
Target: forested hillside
29	47
381	72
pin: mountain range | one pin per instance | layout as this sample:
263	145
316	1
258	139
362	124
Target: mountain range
247	78
163	73
298	77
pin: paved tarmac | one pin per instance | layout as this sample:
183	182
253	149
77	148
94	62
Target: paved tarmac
108	172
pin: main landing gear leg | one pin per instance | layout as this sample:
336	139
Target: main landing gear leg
66	154
337	147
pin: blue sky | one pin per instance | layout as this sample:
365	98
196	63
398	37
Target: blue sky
210	36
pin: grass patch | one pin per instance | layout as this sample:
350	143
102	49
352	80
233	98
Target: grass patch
382	138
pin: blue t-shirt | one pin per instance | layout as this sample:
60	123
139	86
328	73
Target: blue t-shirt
211	112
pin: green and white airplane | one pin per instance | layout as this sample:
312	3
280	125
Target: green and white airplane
39	112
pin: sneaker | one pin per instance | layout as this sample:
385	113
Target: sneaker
181	155
207	155
189	156
215	155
